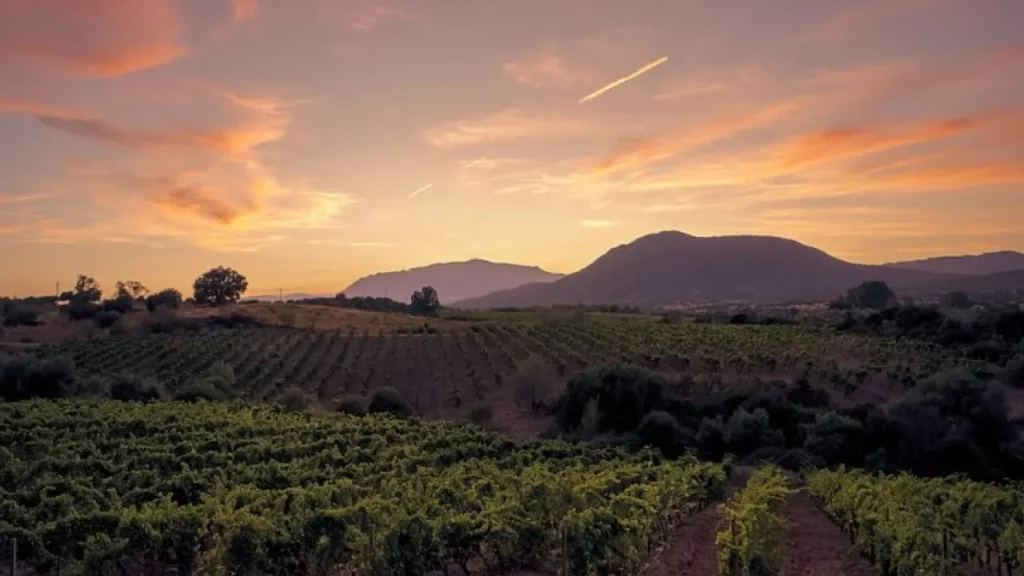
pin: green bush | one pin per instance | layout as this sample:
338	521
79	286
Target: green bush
23	378
131	388
352	404
294	399
106	318
21	315
482	415
624	395
390	401
199	390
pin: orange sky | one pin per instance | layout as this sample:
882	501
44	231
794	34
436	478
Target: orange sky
309	142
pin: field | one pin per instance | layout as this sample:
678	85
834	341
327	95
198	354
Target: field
252	485
441	370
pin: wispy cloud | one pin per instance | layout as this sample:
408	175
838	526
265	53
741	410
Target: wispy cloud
420	190
598	223
371	244
612	85
24	198
244	10
539	70
505	126
107	37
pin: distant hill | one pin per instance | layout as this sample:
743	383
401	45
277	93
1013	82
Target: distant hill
284	297
987	263
454	281
673	268
1008	282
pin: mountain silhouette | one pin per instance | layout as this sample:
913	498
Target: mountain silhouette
669	268
987	263
454	281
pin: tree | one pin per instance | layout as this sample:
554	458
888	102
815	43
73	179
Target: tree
424	302
132	289
957	299
87	289
169	298
871	294
219	286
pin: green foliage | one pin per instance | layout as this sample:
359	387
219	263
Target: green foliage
82	310
352	404
624	395
294	399
219	286
169	299
941	526
132	289
956	299
21	315
23	378
128	387
106	318
387	400
87	289
424	302
752	531
199	390
871	294
217	489
534	384
482	415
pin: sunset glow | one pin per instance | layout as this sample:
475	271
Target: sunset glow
309	142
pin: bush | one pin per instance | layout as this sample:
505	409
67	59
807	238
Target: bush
131	388
199	390
390	401
748	431
352	404
294	400
534	385
82	310
24	378
835	439
662	430
106	318
122	304
482	415
21	315
624	395
168	299
1013	374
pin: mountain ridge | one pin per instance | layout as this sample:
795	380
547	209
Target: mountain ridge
454	281
975	264
671	267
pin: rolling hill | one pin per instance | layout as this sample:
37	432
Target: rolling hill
987	263
672	267
454	281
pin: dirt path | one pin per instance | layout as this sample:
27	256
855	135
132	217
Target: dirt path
815	546
690	550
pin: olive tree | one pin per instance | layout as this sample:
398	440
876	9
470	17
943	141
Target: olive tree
219	286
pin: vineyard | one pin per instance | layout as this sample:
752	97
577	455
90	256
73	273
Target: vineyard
107	487
441	370
910	526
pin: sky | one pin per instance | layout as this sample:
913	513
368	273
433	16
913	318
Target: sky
306	143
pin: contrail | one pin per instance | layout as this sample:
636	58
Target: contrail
424	189
623	80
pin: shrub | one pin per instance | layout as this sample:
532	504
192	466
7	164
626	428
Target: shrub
82	310
131	388
1013	374
534	384
748	431
624	395
106	318
835	439
294	400
352	404
21	315
169	299
662	430
24	378
122	304
482	415
390	401
199	390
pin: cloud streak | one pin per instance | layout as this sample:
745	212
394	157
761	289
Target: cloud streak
612	85
420	190
508	125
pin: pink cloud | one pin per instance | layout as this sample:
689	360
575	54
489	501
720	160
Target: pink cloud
104	38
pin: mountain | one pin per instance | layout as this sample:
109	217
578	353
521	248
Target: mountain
987	263
672	267
284	297
454	281
1008	282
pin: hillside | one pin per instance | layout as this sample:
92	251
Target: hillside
672	267
454	281
987	263
1006	283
